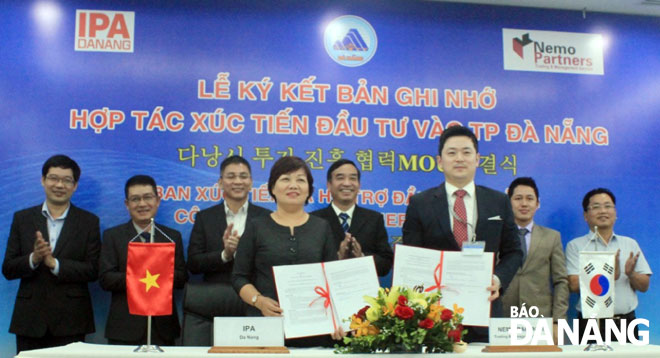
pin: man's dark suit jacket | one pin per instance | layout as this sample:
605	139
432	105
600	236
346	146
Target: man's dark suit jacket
121	325
60	304
427	225
368	228
206	245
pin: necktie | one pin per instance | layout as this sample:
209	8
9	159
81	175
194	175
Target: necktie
344	221
460	219
145	237
523	242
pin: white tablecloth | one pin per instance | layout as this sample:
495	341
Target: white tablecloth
88	350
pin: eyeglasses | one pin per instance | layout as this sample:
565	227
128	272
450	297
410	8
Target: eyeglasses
234	177
597	207
54	179
148	198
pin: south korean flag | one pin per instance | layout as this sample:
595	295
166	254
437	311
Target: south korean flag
597	284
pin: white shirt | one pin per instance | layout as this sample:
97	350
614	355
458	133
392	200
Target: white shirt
54	230
470	200
348	212
239	220
625	298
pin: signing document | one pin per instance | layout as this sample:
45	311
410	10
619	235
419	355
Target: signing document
462	278
317	298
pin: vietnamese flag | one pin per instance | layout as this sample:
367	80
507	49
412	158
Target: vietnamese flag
150	278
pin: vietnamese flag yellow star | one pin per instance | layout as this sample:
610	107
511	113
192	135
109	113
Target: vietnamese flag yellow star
150	280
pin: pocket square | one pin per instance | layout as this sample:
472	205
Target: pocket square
495	218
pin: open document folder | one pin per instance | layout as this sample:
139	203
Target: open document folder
462	278
317	298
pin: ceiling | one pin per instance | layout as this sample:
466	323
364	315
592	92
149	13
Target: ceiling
630	7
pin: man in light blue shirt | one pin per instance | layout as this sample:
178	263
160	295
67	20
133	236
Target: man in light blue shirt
632	272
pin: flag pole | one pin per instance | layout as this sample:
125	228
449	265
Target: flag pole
149	347
152	231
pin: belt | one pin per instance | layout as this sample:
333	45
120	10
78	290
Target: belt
628	316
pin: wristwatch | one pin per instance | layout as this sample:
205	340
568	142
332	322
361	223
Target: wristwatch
254	299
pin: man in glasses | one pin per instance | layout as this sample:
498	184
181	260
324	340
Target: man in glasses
123	328
632	272
53	248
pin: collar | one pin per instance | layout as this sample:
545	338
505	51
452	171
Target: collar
470	188
529	227
46	212
137	227
591	235
339	211
241	210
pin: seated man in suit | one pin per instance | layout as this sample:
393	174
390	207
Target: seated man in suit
456	211
357	231
53	248
543	259
218	229
142	203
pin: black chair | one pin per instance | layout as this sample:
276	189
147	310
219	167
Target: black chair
201	302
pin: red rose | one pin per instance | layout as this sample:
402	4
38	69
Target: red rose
455	335
404	312
403	300
362	313
426	323
446	315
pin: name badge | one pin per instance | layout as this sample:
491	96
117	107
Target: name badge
248	331
499	331
474	247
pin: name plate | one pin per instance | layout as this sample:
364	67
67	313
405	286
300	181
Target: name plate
499	332
248	331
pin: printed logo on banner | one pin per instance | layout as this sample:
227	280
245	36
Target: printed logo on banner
552	51
350	40
104	31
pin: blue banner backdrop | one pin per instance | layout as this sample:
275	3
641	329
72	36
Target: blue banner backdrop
208	79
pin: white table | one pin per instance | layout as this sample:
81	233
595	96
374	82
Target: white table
88	350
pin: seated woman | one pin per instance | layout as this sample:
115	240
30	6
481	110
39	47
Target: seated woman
287	236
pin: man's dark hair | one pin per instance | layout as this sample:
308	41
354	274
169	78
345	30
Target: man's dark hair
234	159
286	165
338	164
454	131
140	180
526	181
61	161
587	197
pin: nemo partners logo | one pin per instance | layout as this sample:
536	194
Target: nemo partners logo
552	51
104	31
350	40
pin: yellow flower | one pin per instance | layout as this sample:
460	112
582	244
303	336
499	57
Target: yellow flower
388	309
363	328
434	312
457	309
420	301
373	313
393	295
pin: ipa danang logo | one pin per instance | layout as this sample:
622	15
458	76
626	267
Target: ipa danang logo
104	31
350	40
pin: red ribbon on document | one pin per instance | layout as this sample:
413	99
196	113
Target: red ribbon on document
437	275
325	293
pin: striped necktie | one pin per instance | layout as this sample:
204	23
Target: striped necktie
344	221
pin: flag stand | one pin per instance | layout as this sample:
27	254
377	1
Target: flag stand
148	348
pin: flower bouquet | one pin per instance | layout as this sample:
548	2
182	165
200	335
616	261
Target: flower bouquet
404	320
